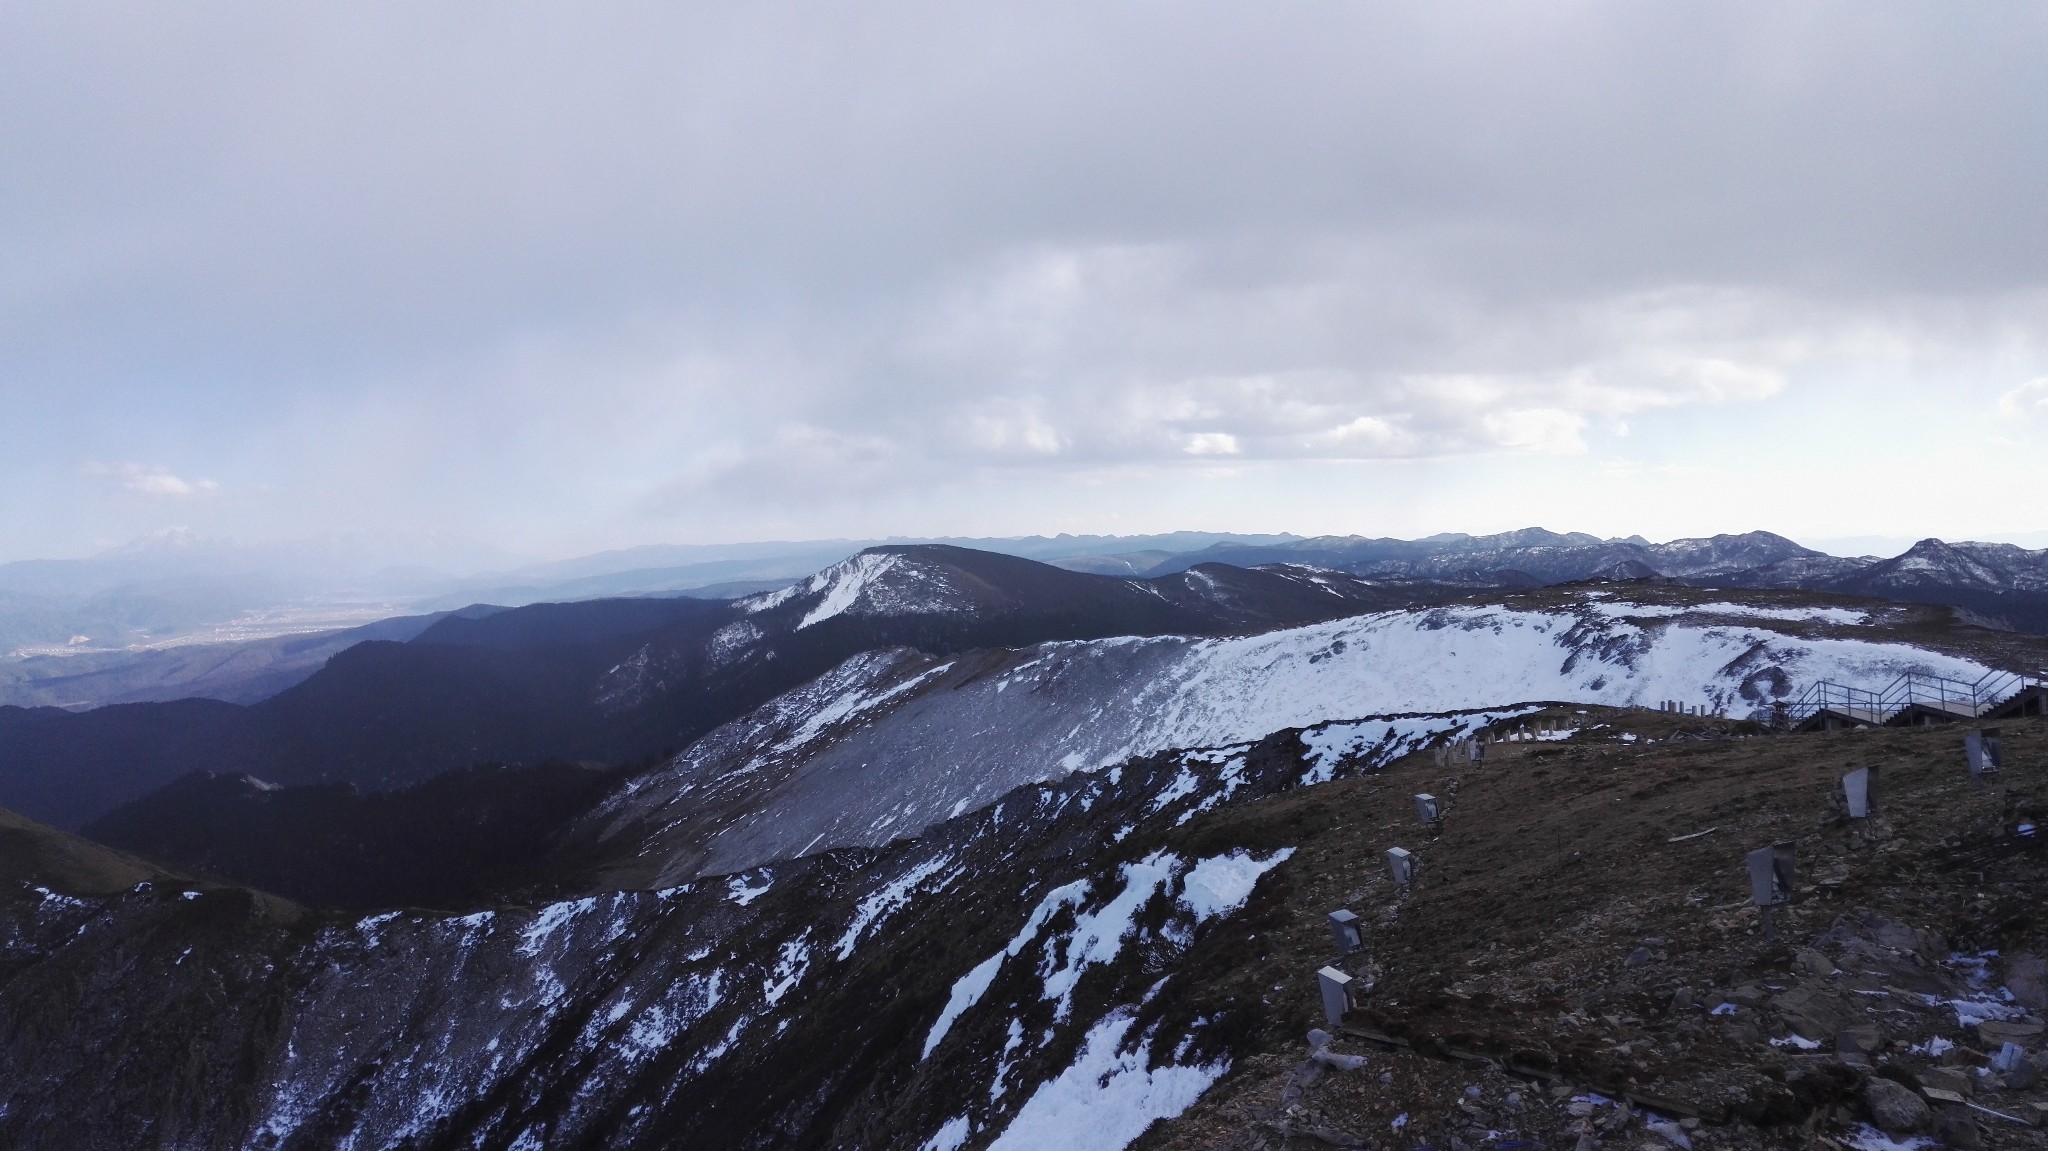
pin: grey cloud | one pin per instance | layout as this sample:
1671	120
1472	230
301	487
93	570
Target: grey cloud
437	257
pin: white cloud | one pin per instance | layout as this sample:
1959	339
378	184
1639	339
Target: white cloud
1363	436
1537	429
2029	399
145	480
1212	444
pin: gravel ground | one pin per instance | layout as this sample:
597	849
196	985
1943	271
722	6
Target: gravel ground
1580	965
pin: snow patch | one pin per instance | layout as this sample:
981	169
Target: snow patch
1108	1097
967	991
551	919
790	967
1371	743
847	581
969	988
1219	885
887	901
770	599
712	1053
1098	935
949	1137
1834	615
1183	785
1868	1138
680	1007
1971	1012
741	892
849	704
50	899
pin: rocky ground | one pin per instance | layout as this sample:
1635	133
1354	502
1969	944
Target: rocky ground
1580	965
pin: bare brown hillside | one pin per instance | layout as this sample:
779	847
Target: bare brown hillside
1584	918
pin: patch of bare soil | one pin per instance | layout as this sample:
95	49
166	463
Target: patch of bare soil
1580	965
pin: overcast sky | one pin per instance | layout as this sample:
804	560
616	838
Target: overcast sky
562	277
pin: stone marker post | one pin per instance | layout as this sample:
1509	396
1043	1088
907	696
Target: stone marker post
1859	788
1401	865
1336	988
1427	810
1347	931
1985	751
1771	879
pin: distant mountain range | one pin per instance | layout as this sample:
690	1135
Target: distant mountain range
2003	584
173	595
176	588
181	618
621	680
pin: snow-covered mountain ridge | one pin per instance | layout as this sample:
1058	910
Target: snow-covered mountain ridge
907	582
1531	553
892	741
2000	581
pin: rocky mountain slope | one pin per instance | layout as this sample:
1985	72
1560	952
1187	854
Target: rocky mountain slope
893	740
817	1002
2002	583
1606	981
1126	958
460	839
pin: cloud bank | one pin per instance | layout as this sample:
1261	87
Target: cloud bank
582	277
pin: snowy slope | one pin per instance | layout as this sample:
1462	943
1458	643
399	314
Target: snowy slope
869	998
894	741
871	583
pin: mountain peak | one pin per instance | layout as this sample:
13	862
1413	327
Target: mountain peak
894	579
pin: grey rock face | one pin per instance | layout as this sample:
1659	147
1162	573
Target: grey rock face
1946	1079
1814	1013
1957	1127
2026	976
1814	963
1895	1109
1859	1043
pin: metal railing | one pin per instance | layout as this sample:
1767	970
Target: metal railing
1950	697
